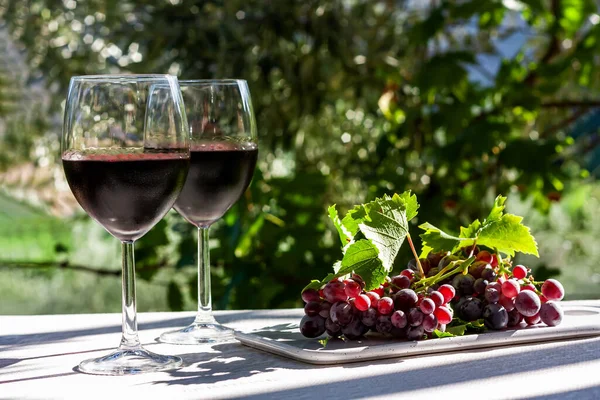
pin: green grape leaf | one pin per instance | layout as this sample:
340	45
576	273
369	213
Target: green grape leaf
362	257
439	334
458	330
352	218
508	235
435	239
471	231
410	203
386	226
345	235
497	210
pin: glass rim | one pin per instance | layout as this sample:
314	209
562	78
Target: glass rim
121	77
228	81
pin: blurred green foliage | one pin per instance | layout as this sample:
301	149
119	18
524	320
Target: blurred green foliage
354	98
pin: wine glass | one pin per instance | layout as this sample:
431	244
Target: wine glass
125	153
222	160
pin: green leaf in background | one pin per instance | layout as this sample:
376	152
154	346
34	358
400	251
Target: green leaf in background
362	257
345	235
508	235
174	297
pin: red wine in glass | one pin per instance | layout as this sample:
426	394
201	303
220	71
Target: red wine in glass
219	174
126	193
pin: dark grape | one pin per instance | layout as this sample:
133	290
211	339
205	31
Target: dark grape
412	265
447	291
369	317
427	306
352	288
430	323
528	303
310	295
511	288
492	295
477	268
332	329
508	304
341	313
468	250
399	319
463	284
433	271
437	297
415	333
400	282
354	330
399	332
457	305
519	271
335	291
405	299
385	306
471	309
384	324
553	290
514	318
488	273
485	256
325	307
435	258
409	273
495	316
495	285
551	313
312	308
415	317
312	327
480	285
358	279
362	302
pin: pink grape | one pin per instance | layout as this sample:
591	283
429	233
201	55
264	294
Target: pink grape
443	315
508	304
519	272
427	306
553	290
448	292
528	303
385	306
551	314
511	288
362	302
430	322
374	298
399	319
533	319
437	298
529	286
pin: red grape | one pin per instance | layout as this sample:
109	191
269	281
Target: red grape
341	313
528	303
553	290
415	317
405	299
519	272
427	306
325	307
400	282
374	298
430	322
380	290
369	317
551	314
443	315
448	292
385	306
495	285
399	319
310	295
437	298
312	327
533	319
508	304
484	256
409	273
529	286
335	291
362	302
511	288
352	288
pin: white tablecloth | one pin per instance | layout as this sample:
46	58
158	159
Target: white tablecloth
38	354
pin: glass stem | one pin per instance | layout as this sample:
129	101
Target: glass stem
130	339
204	298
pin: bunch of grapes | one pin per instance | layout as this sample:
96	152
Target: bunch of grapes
343	307
505	295
412	306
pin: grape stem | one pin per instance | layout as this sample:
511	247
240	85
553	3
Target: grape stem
412	247
473	248
454	267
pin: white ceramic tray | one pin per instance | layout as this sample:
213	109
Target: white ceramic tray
286	340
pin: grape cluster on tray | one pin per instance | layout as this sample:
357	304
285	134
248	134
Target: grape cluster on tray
472	289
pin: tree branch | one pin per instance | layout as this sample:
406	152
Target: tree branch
566	122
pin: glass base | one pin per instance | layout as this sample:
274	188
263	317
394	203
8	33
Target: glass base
199	332
128	362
